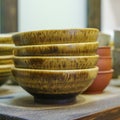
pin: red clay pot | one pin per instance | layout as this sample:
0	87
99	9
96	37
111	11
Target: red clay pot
104	63
100	83
104	51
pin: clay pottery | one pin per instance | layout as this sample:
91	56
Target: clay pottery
56	62
54	86
6	39
55	36
104	63
8	59
75	49
6	49
100	83
104	51
104	39
117	38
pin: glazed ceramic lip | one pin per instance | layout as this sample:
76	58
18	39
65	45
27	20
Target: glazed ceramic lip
5	68
75	49
54	81
56	62
55	36
105	72
104	51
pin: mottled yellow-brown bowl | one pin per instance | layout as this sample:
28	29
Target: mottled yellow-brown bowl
75	49
56	62
56	36
6	49
8	59
5	72
6	39
50	85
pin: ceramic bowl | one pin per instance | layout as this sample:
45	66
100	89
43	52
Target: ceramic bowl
6	49
75	49
56	36
57	62
104	51
104	39
6	39
100	83
104	63
8	59
5	68
54	85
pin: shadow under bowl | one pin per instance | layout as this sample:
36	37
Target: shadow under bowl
56	63
75	49
55	36
100	83
55	86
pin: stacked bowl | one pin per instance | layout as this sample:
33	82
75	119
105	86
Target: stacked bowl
55	65
105	66
6	57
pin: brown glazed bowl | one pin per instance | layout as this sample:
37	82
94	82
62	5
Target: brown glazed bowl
100	83
5	72
56	36
104	63
6	49
104	51
6	39
75	49
56	62
54	86
5	60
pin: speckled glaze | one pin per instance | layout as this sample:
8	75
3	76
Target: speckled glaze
76	49
8	59
56	36
100	83
54	81
6	49
56	62
104	51
6	39
104	63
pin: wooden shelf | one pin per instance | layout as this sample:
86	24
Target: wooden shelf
19	105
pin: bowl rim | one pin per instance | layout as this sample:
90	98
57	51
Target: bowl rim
106	72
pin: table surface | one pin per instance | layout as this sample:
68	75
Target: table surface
17	104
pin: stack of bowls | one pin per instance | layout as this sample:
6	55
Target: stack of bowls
6	57
105	66
55	65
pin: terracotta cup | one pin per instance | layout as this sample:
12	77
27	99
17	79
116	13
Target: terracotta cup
100	83
104	51
104	63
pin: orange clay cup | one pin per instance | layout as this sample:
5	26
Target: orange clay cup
100	83
104	51
104	63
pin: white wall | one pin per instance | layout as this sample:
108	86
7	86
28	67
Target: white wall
51	14
110	16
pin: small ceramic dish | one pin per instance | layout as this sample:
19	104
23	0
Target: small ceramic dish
104	51
55	85
56	36
6	39
8	59
6	49
56	62
75	49
104	63
100	83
